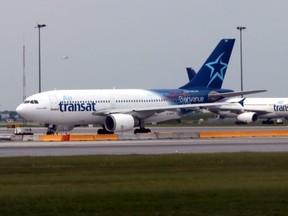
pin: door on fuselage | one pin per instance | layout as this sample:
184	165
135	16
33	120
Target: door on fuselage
113	103
53	102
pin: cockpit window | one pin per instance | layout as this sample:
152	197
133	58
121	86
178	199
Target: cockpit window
31	102
34	102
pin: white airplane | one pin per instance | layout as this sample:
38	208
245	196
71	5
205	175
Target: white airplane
248	110
123	109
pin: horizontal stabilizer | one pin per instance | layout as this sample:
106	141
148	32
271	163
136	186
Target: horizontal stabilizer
215	95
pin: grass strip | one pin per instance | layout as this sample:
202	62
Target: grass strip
176	184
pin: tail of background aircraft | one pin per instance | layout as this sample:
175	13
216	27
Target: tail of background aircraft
191	73
211	74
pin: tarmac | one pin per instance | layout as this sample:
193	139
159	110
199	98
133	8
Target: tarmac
86	134
164	140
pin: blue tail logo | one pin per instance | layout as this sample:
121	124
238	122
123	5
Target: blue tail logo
218	69
211	74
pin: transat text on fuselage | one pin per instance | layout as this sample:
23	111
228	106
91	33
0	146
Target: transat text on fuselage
77	107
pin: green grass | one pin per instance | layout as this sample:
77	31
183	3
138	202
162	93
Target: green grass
180	184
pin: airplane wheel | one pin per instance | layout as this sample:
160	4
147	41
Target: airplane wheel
147	131
240	123
103	131
142	130
50	132
268	122
100	131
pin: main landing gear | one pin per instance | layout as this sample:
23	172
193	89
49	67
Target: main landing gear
142	130
268	121
104	131
240	123
136	131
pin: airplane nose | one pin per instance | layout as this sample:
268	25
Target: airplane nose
20	110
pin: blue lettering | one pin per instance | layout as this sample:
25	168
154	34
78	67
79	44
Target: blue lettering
67	98
70	107
83	107
190	100
280	108
77	107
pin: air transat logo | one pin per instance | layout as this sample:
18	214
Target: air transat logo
218	68
70	105
77	107
280	107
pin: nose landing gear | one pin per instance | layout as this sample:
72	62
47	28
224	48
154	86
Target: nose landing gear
51	129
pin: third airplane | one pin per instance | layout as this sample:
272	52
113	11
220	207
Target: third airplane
248	110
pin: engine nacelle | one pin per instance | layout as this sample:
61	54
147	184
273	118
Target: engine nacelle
248	117
120	122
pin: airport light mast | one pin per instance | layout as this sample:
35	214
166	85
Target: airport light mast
241	28
39	26
24	75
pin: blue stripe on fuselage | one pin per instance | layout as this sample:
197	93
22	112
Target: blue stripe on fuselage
182	96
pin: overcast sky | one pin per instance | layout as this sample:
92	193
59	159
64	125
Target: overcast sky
139	43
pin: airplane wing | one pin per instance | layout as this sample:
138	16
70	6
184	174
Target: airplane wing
239	110
215	95
198	106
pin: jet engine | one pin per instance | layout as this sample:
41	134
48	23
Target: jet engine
120	122
248	117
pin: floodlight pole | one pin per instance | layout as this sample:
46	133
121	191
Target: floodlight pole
240	28
39	26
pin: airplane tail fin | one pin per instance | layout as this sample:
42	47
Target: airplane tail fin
211	74
191	73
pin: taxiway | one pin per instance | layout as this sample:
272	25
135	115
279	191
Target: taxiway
169	146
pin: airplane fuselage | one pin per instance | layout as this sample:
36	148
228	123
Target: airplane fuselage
266	108
79	107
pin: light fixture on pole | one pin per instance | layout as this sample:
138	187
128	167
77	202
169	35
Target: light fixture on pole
39	26
241	28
